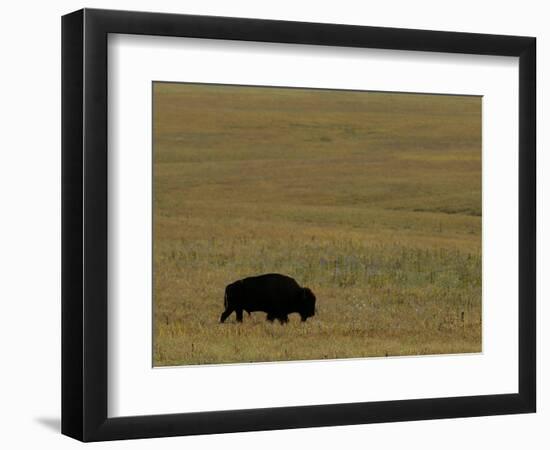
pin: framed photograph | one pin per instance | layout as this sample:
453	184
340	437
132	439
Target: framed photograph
272	224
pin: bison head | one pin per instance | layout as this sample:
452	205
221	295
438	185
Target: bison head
307	304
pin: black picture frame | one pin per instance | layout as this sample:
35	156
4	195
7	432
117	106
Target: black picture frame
84	224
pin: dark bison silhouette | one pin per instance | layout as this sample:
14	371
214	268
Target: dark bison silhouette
275	294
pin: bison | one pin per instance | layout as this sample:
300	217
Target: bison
275	294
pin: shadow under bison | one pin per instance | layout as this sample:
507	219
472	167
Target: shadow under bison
275	294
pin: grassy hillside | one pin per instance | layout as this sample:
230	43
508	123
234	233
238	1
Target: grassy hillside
373	200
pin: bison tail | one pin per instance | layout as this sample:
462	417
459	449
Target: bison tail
225	301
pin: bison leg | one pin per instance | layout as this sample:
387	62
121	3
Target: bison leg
239	315
225	315
283	319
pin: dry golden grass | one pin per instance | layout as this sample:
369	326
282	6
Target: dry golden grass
373	200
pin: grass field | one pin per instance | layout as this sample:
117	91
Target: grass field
373	200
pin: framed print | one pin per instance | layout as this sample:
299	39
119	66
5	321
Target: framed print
272	224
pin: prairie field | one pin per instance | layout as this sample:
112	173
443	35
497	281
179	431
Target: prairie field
372	200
